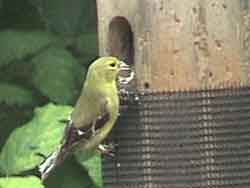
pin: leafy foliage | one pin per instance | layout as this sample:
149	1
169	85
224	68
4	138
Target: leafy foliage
87	42
71	175
57	75
16	45
67	17
93	164
38	67
16	17
15	95
12	117
18	182
41	136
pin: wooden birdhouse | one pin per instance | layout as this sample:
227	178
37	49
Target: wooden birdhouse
175	45
188	124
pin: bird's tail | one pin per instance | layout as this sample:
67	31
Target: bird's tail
54	160
48	165
69	143
72	138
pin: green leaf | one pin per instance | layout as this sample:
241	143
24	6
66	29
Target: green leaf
18	72
12	117
71	175
88	43
67	17
15	45
42	135
24	17
14	95
92	162
21	182
57	75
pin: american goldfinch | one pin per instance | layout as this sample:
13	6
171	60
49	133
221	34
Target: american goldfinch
95	112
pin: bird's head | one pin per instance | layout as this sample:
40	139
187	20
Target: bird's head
107	68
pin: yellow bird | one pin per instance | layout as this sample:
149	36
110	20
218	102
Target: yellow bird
95	113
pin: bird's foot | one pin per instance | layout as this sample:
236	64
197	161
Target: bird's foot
107	149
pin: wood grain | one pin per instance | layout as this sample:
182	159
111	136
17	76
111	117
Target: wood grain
180	44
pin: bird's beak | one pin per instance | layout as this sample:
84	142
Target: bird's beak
124	66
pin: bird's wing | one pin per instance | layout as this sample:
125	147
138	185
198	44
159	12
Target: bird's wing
72	138
73	134
88	108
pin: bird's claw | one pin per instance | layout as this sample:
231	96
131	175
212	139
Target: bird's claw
107	149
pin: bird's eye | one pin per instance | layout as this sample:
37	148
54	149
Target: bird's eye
112	64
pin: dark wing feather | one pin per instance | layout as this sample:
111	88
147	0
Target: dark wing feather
72	139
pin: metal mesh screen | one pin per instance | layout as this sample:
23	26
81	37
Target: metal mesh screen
189	139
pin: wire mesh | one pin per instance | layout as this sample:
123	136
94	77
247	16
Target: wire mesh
187	139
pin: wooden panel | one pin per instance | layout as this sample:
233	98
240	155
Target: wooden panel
180	45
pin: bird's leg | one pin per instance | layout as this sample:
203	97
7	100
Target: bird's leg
96	123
